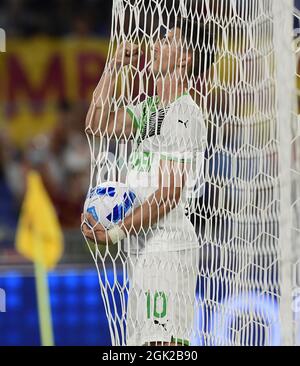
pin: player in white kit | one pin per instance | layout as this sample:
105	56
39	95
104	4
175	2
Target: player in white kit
167	159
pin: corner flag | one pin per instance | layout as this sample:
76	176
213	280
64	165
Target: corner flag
39	239
39	236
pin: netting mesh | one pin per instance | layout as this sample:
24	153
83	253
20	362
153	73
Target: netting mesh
295	178
204	108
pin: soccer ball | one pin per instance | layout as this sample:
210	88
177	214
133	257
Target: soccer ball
110	203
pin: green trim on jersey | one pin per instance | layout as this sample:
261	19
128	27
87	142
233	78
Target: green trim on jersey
142	160
181	342
133	117
171	158
149	106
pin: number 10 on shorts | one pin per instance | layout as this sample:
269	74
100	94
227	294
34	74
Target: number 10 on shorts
156	304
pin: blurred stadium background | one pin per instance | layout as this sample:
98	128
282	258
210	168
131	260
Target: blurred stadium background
56	51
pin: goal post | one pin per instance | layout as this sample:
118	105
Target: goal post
201	93
285	85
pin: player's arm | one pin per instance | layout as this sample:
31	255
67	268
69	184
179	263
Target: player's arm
157	206
101	120
165	199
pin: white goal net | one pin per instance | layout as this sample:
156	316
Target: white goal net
196	112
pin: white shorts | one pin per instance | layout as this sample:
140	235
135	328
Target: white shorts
161	297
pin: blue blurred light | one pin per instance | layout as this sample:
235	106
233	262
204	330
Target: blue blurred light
71	299
13	338
91	318
55	300
72	319
90	279
71	279
58	318
246	303
31	318
75	302
92	299
13	301
13	280
54	281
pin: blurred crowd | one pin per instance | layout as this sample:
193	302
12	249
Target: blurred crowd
55	17
61	157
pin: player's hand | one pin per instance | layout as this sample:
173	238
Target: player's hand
127	53
93	230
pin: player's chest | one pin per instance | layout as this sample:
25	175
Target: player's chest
144	161
153	123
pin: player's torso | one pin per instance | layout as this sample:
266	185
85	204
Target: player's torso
152	139
144	161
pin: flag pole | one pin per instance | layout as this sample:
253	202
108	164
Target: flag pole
42	291
40	239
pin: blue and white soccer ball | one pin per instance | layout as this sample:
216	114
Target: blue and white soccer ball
110	203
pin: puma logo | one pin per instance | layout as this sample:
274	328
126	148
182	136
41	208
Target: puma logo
184	123
156	322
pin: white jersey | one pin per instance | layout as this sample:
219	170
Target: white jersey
177	133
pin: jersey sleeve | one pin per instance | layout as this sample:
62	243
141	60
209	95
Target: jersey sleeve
135	112
185	134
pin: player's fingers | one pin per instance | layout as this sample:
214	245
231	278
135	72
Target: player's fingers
89	236
126	46
95	225
90	218
130	45
131	48
88	233
87	227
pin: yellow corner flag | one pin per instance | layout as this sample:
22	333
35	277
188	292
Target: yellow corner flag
40	239
38	223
